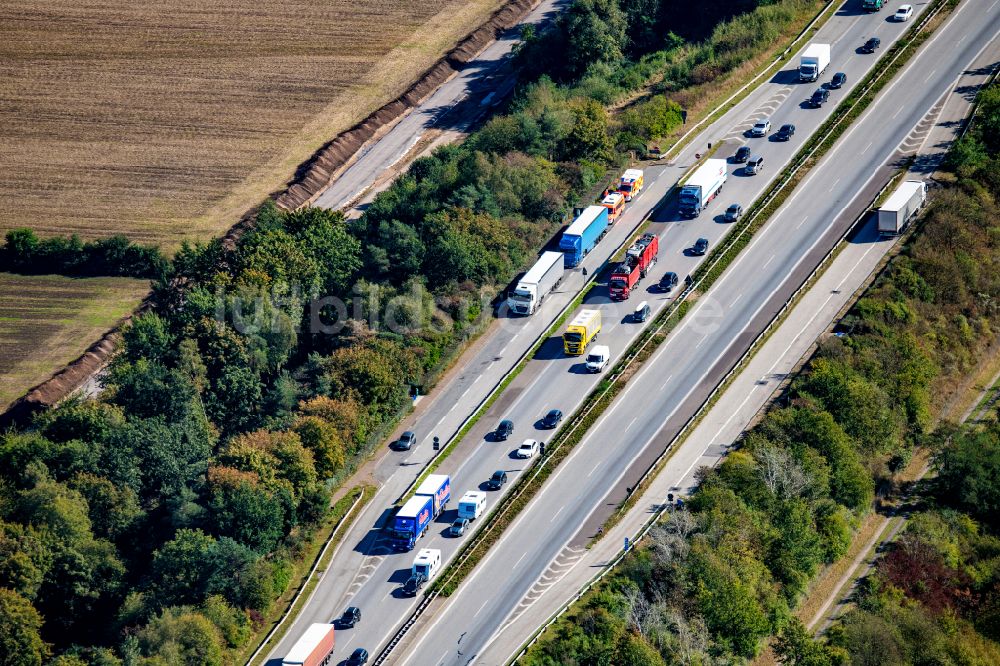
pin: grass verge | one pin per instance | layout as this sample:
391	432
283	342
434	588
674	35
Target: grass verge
305	582
820	143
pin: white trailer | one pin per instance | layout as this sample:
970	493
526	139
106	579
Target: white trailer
426	563
898	209
536	284
472	505
814	60
702	186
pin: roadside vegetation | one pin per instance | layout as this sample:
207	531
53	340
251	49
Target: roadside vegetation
159	523
714	580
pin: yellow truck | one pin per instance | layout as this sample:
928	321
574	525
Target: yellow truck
581	331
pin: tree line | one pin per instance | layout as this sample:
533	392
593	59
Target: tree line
714	580
157	524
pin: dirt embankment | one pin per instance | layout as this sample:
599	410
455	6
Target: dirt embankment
66	381
310	179
320	170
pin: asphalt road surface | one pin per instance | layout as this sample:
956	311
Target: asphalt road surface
456	104
675	380
366	574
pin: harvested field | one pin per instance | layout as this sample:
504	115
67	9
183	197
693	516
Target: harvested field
167	121
46	321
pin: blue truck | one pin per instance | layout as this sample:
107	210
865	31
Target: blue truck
583	234
411	522
437	487
413	518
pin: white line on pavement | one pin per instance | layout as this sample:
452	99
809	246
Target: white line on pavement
482	607
664	384
933	72
553	519
519	559
834	184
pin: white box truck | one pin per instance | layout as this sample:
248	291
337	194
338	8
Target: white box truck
814	60
897	210
703	185
540	279
472	505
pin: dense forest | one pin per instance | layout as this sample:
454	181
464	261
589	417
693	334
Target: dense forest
158	524
713	581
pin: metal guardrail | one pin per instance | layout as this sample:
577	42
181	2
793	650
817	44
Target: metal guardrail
288	612
480	408
738	366
680	143
624	363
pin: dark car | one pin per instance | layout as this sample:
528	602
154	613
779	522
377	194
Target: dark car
667	282
497	480
838	80
700	247
733	213
459	526
552	419
350	617
413	585
871	45
358	657
504	430
405	441
742	153
819	97
785	133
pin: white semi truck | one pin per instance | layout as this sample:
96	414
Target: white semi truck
898	209
536	284
814	60
703	185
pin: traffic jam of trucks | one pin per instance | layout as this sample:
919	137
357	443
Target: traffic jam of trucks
589	226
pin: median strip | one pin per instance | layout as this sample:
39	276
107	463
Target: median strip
603	395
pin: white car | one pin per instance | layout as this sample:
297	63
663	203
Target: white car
903	13
528	449
761	128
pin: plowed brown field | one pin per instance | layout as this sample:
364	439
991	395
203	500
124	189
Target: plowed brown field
168	120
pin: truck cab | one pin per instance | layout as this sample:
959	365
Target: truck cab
581	331
598	358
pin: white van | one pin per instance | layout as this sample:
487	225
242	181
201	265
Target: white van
598	358
427	562
472	505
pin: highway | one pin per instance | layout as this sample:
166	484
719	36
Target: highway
456	104
676	379
363	572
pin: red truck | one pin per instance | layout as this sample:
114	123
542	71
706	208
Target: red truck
638	259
